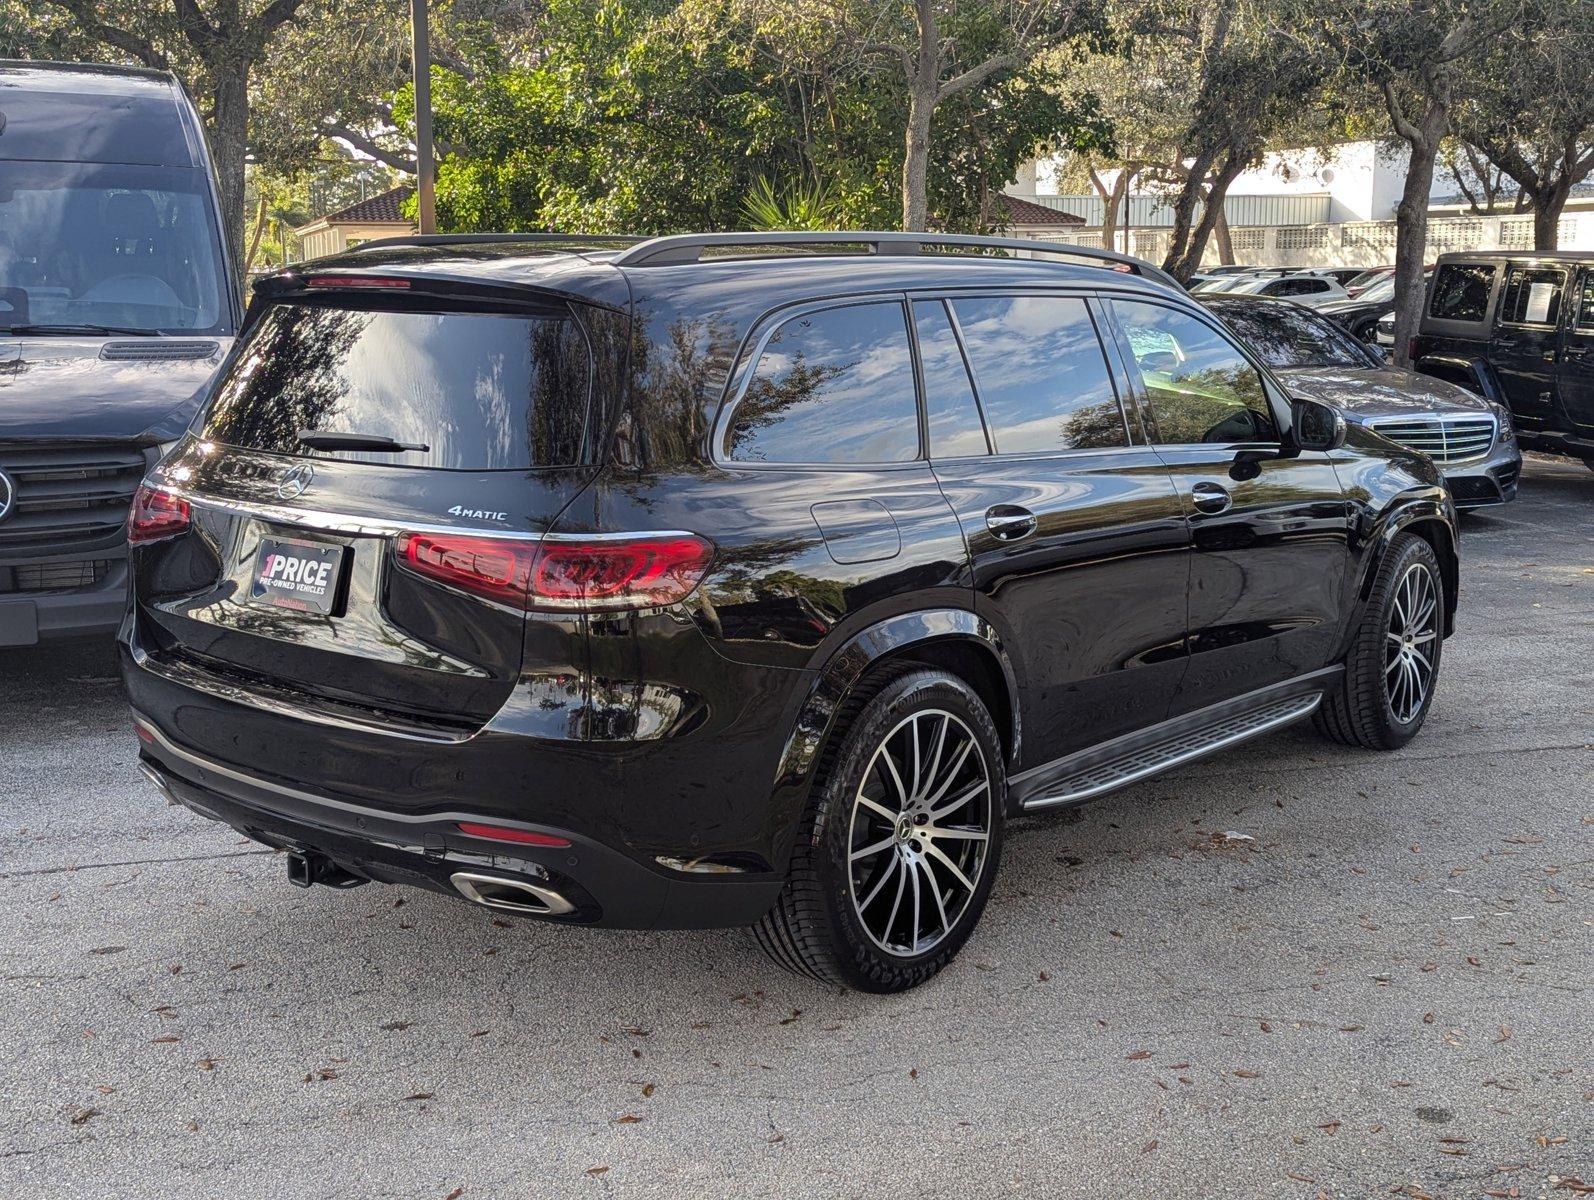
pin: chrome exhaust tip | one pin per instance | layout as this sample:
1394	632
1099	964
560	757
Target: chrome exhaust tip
159	780
510	895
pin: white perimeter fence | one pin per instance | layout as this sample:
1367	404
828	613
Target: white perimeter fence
1349	244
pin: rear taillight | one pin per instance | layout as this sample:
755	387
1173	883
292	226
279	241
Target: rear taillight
618	573
156	514
608	574
497	568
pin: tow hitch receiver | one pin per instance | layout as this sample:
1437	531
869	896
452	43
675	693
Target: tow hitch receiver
310	866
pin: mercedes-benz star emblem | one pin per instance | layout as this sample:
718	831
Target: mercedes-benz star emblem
8	495
293	484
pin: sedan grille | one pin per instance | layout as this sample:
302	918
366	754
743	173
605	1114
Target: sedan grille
68	494
1443	439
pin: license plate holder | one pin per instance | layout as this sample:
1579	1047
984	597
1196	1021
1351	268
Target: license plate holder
296	575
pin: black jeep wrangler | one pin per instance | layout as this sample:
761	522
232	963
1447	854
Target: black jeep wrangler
1518	327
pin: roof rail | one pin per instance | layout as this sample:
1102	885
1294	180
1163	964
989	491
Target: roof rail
595	240
689	247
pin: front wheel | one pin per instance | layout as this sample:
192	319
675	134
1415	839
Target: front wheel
899	845
1384	695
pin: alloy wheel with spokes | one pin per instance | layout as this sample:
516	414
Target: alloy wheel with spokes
901	839
1409	642
921	820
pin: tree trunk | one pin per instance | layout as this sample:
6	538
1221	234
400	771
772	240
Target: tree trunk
1184	213
1547	207
1187	263
1411	236
916	152
254	238
229	136
1225	240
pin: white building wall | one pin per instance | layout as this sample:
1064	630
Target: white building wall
1363	179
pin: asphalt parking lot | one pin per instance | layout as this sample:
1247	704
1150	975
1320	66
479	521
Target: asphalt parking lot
1290	971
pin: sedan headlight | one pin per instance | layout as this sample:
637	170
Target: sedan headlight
1508	432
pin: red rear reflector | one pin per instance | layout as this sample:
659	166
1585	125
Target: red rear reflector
596	575
156	514
144	735
354	281
502	833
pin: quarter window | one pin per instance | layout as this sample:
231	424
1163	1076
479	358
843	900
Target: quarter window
1200	388
1041	373
1461	292
834	386
1532	296
1585	308
949	407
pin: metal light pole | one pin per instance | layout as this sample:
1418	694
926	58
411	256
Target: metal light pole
421	59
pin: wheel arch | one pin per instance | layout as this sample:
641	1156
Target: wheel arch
1474	374
1428	519
954	640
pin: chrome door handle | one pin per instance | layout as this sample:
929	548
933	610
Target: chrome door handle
1009	522
1210	498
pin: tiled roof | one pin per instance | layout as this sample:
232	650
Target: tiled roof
384	206
1025	212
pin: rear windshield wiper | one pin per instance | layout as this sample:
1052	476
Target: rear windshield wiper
318	440
68	330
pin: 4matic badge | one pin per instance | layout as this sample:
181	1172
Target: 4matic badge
477	514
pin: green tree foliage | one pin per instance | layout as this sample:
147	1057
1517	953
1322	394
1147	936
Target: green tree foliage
1529	106
647	116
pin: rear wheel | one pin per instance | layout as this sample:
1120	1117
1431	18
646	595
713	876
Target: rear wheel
899	846
1383	697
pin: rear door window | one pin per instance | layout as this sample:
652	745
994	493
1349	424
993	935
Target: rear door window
1461	292
1041	373
956	430
833	386
481	391
1532	296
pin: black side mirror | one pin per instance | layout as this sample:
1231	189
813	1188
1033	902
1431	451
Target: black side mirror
1317	426
1377	352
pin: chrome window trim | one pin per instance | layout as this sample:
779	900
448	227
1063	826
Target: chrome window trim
349	523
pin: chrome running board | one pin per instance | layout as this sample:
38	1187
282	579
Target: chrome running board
1144	761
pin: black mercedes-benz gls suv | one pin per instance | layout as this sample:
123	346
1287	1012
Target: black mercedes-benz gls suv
751	579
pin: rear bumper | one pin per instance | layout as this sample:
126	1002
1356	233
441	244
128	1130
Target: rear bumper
602	885
27	618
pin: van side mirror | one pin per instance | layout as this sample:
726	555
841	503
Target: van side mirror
1317	426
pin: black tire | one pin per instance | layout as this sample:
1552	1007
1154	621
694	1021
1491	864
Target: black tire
818	925
1364	708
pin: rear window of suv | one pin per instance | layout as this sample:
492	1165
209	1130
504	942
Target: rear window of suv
1461	292
482	391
